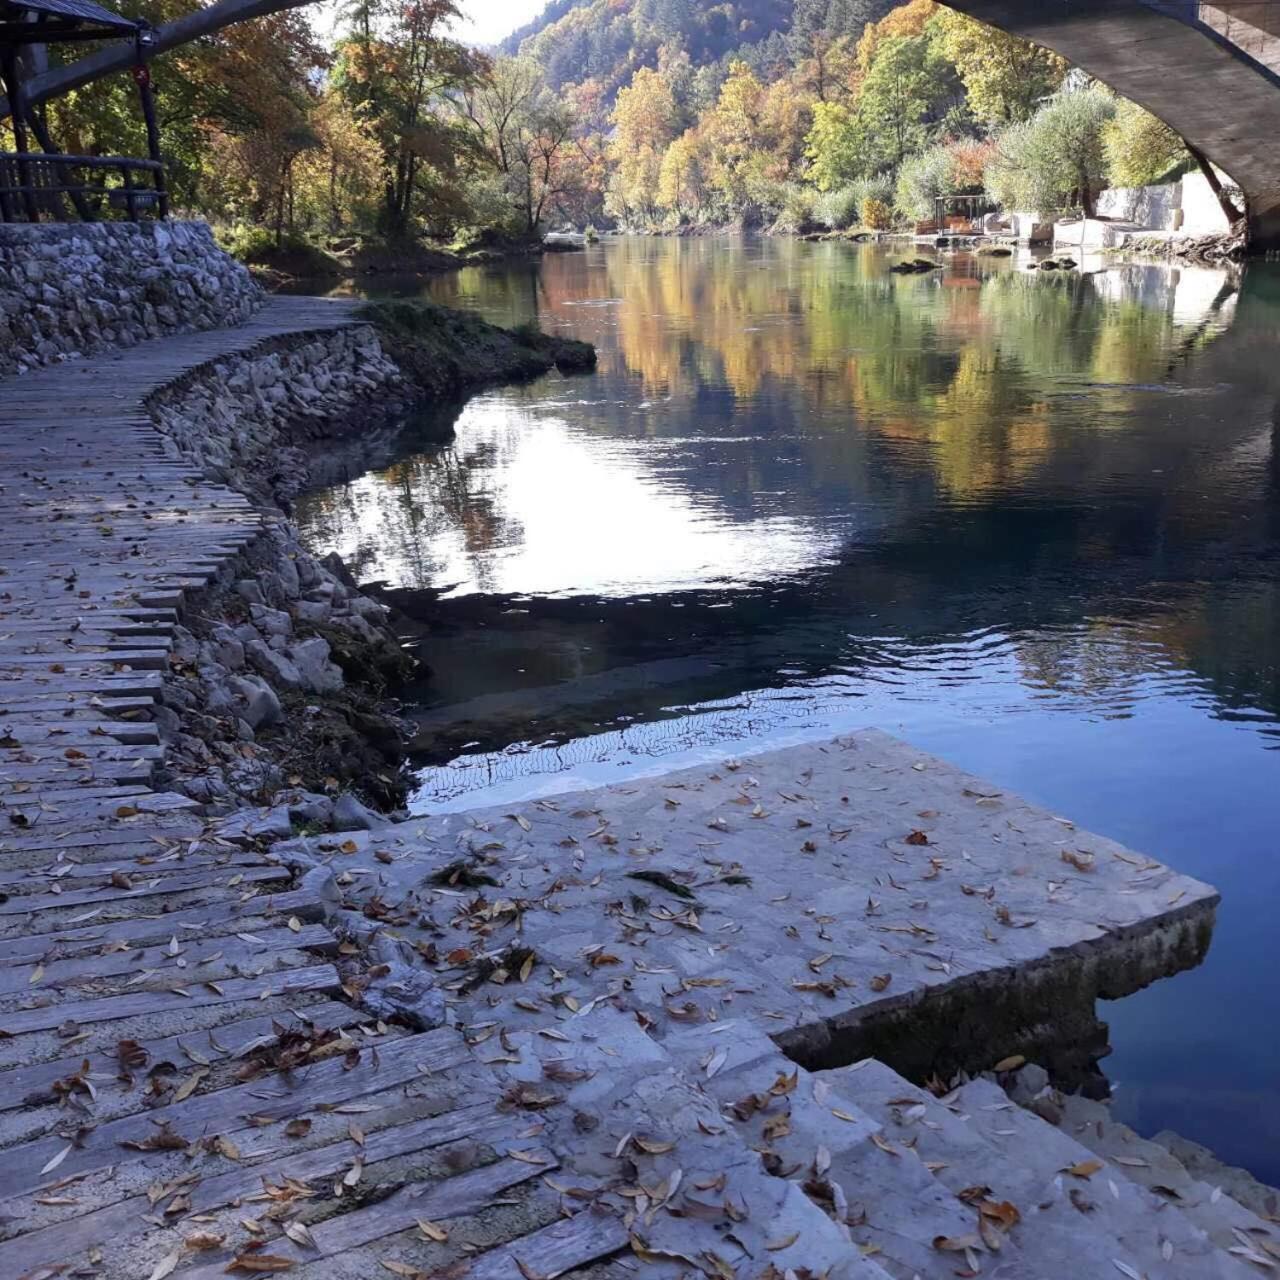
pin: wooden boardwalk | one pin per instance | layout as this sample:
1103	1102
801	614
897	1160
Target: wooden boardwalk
170	1040
190	1089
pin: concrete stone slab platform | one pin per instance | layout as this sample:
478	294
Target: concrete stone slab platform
854	898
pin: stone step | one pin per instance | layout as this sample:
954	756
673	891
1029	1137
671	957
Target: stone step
818	1138
1078	1216
1229	1224
1239	1183
906	1172
622	1112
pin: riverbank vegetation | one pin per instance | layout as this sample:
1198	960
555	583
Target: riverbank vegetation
384	137
447	352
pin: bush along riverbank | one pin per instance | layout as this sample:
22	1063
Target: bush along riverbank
294	257
283	674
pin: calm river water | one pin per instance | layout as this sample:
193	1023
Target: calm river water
1028	521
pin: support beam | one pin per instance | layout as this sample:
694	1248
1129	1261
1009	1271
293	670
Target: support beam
170	35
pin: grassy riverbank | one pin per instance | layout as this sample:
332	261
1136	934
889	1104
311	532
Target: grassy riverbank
446	352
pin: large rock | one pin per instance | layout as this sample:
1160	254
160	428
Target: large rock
277	668
257	700
404	990
311	659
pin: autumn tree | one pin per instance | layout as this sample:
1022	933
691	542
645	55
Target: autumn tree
683	184
1005	77
644	122
232	110
398	65
338	178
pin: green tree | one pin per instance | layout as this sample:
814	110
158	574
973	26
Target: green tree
524	130
907	89
924	177
1057	158
1140	148
834	147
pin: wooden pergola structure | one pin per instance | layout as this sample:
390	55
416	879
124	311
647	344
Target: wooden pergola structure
961	213
47	184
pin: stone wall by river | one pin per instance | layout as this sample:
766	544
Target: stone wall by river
245	419
278	669
67	289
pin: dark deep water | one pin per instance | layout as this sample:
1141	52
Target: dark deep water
1030	522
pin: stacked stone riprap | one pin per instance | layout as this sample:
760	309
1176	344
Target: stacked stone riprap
67	289
277	673
243	419
275	679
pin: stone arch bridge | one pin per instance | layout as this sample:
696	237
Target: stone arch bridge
1209	71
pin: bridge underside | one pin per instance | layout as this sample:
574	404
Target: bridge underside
1211	83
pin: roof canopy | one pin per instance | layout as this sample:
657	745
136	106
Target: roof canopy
70	13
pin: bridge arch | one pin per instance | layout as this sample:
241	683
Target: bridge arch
1208	71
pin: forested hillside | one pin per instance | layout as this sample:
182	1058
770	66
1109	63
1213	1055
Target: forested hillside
607	41
655	114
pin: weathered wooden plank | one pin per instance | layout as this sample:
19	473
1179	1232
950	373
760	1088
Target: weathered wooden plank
230	953
150	862
27	1085
129	683
479	1123
96	798
22	904
437	1202
228	1111
75	733
210	918
14	1022
148	832
554	1250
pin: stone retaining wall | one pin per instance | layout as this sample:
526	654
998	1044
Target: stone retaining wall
67	289
278	670
244	418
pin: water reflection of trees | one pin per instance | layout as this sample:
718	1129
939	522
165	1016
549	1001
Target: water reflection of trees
1072	460
407	513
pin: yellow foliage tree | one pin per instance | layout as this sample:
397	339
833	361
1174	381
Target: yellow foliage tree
905	22
1004	76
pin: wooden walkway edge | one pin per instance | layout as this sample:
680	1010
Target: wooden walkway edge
170	1041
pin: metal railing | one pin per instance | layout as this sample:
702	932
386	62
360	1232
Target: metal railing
36	186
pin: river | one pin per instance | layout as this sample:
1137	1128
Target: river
1027	520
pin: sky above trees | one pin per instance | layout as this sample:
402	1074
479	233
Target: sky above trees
488	21
484	22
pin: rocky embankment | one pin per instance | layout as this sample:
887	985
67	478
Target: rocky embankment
282	674
69	289
1226	246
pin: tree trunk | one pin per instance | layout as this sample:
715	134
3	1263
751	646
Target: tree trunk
1228	206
